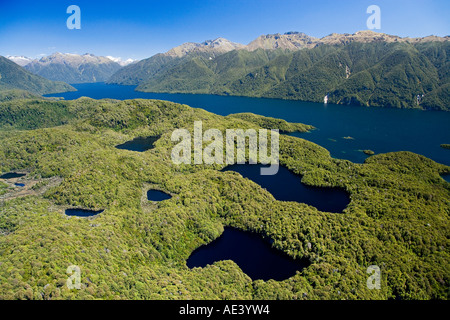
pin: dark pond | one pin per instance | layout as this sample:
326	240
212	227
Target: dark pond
12	175
253	254
446	177
156	195
82	212
287	186
140	144
19	184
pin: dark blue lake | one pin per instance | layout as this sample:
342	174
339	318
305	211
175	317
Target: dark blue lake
378	129
156	195
287	186
253	254
82	212
446	177
12	175
139	144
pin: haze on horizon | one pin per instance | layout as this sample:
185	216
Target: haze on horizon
138	30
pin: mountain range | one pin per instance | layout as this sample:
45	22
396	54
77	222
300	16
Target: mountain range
74	68
13	76
34	75
299	40
365	68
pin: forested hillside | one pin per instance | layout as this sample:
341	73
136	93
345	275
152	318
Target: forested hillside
393	74
397	218
13	76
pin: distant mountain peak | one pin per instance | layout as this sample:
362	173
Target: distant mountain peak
119	60
291	40
217	46
20	60
74	68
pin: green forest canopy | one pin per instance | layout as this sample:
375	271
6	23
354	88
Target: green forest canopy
397	218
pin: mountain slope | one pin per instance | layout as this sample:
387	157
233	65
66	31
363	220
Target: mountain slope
200	74
143	70
13	76
146	69
396	81
73	68
369	74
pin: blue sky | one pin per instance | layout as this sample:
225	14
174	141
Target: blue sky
140	29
